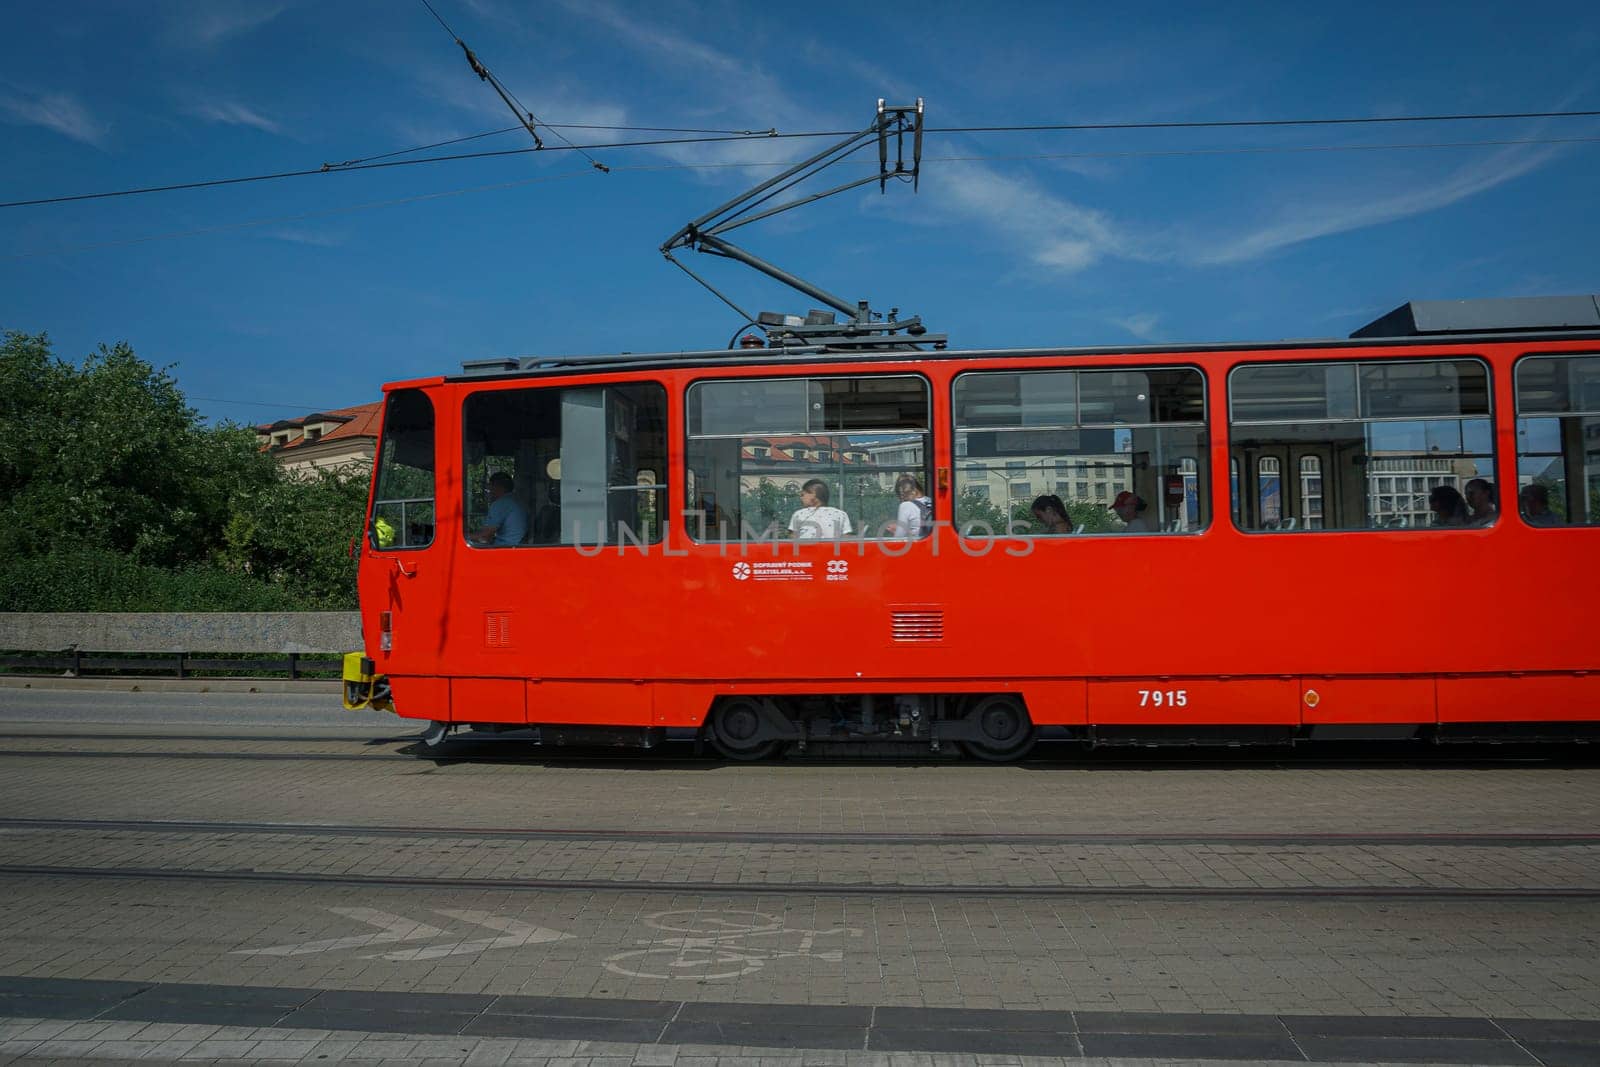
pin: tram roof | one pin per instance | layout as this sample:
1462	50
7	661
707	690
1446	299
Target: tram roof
556	366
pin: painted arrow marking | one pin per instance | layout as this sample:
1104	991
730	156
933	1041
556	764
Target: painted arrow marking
516	933
394	927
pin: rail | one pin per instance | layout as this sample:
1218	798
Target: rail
298	644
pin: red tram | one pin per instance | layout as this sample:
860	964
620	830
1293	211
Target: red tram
1384	537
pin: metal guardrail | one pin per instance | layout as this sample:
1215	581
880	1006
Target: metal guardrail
182	665
178	644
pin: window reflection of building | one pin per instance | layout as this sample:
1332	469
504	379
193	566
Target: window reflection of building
1085	436
1311	492
1558	434
1365	443
753	444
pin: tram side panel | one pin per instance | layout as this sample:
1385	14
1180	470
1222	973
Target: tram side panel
1220	627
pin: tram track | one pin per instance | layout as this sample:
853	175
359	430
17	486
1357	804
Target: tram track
848	838
850	889
681	754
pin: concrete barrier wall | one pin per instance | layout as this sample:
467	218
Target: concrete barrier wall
222	631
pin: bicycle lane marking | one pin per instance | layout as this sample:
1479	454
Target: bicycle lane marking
720	948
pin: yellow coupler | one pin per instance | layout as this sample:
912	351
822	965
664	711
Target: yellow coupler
363	688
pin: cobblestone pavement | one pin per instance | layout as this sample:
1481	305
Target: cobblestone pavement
1304	956
495	871
972	865
374	782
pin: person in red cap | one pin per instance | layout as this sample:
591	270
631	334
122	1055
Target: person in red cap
1130	509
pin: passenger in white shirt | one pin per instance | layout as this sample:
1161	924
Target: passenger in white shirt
915	508
1130	509
815	520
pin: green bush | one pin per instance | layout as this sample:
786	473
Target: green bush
116	496
100	580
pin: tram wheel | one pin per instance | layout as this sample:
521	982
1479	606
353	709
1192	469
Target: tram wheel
738	730
1002	723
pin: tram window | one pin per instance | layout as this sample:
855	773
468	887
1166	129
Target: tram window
1367	443
585	463
1138	431
755	443
402	503
1558	440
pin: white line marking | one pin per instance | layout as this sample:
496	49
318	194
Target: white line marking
517	933
395	928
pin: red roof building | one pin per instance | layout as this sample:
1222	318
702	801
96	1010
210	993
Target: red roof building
337	437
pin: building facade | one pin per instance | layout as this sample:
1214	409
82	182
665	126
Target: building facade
339	438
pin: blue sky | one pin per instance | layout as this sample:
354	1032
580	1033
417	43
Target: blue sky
310	292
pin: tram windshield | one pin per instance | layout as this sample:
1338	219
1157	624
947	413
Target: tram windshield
402	504
1360	446
787	457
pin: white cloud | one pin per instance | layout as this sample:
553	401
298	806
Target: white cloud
1051	231
303	236
1143	325
1060	235
1305	221
207	25
230	113
60	112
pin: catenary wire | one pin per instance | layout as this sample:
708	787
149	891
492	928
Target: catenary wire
211	182
548	125
302	216
379	161
299	217
1264	123
523	111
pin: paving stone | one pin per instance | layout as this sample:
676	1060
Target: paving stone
583	1007
779	1035
545	1026
1414	1050
994	1042
1565	1030
1386	1026
776	1014
1190	1046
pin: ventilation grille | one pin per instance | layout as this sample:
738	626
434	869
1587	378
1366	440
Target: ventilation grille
921	626
497	629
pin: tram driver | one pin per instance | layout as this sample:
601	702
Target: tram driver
506	522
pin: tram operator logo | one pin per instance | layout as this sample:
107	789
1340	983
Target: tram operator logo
741	571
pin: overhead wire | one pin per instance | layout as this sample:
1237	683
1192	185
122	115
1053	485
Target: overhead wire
1265	123
661	167
382	161
510	97
225	227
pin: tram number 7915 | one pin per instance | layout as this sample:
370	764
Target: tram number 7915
1163	698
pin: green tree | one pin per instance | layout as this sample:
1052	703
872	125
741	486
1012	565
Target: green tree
117	496
110	455
295	533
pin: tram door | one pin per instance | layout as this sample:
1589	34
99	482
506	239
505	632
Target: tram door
1284	486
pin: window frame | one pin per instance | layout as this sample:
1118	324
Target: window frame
378	469
1236	512
1096	474
1516	419
558	386
929	467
